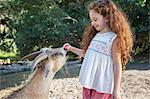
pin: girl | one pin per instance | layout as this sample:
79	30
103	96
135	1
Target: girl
107	42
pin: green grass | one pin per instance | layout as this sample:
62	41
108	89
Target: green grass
6	56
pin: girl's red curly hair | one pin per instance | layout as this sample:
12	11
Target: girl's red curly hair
117	23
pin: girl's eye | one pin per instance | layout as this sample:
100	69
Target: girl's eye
95	20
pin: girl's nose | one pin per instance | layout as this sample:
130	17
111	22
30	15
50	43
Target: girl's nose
92	23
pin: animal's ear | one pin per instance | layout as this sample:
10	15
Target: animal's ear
31	56
37	60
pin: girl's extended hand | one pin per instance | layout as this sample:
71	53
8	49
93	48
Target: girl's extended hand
67	46
116	95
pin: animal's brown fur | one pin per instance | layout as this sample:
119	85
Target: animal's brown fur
38	84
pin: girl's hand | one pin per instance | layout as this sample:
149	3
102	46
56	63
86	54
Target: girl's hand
116	95
67	46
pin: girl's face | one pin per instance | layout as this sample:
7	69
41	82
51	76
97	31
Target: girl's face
97	20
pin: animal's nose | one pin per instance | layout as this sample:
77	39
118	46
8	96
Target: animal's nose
65	49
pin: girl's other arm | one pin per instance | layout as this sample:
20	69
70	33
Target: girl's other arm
75	50
117	69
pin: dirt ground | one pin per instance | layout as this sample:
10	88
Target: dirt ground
135	85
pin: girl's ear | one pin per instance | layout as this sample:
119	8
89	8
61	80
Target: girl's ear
106	19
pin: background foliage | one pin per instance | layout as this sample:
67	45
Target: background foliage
29	25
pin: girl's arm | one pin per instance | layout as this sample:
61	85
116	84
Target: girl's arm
117	69
75	50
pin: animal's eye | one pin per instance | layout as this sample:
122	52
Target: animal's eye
58	54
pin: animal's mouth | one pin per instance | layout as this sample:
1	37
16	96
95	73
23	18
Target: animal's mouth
65	51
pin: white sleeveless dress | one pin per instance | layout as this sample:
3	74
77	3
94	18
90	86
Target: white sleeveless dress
97	68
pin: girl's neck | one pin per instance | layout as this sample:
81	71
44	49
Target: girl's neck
105	30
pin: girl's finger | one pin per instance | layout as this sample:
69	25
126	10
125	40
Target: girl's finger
66	46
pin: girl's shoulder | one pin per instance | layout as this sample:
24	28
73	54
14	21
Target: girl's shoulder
106	34
107	37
